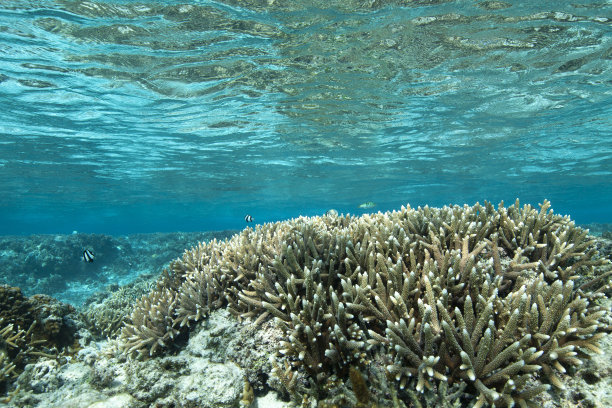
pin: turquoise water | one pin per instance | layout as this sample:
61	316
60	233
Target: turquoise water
125	116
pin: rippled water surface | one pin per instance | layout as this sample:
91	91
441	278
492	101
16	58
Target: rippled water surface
124	116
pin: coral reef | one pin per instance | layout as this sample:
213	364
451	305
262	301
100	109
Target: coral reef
590	385
207	373
8	339
494	305
33	328
53	264
104	312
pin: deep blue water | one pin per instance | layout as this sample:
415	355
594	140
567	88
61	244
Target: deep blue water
124	116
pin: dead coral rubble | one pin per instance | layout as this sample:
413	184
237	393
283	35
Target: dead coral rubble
502	300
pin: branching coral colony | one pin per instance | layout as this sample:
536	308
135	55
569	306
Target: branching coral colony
495	303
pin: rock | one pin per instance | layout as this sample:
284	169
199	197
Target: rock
213	336
117	401
270	400
40	377
210	385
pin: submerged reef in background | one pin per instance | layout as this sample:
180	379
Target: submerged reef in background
427	306
53	264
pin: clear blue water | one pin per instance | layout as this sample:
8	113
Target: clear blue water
125	116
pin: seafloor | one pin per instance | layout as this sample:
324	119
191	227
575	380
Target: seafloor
82	310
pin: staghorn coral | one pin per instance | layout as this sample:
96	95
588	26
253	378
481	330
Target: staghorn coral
152	324
105	312
9	339
497	301
30	328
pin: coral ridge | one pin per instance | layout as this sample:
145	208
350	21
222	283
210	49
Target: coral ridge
490	304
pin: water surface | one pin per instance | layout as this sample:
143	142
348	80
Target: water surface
124	116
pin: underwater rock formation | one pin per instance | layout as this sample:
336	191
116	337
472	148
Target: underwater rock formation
434	306
207	373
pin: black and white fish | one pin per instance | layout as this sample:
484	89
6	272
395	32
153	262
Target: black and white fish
248	218
88	256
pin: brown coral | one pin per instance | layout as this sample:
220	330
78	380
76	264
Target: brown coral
30	328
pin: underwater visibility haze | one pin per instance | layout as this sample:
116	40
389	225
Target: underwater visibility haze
134	131
140	116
